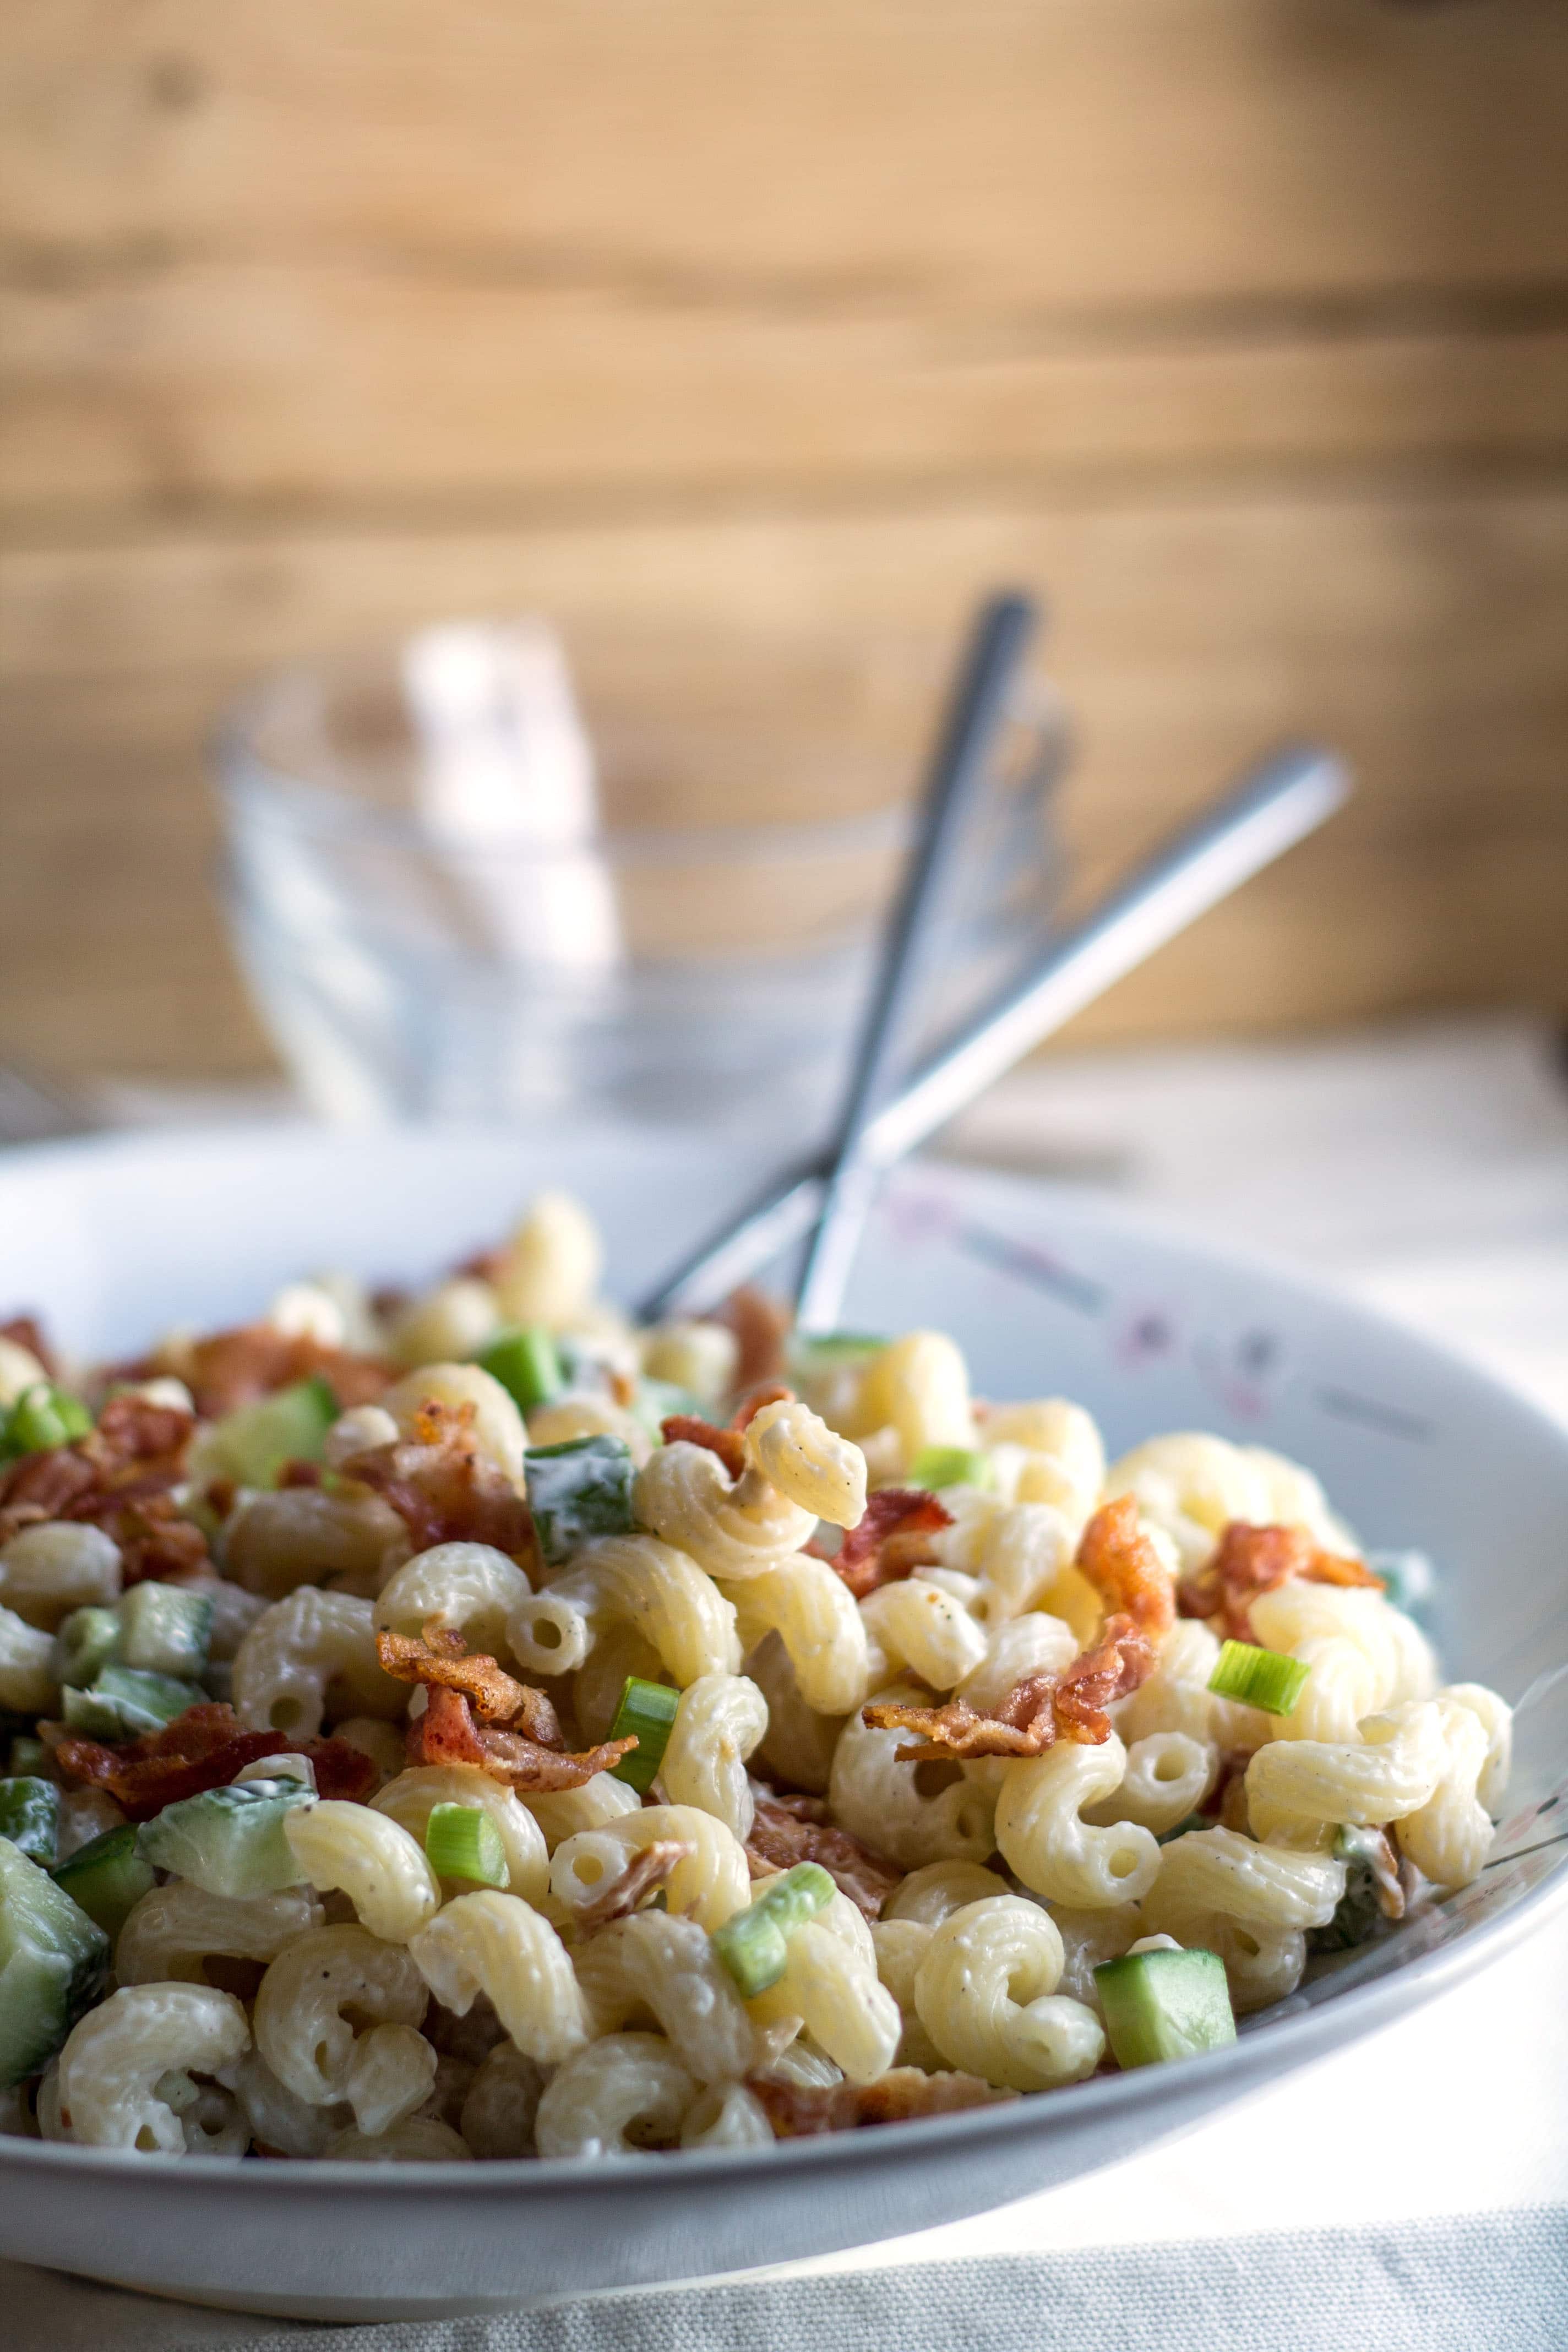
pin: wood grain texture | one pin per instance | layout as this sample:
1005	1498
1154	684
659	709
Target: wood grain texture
1241	327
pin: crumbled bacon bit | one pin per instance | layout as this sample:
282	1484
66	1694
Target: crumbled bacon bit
1036	1713
746	1411
892	1538
118	1477
685	1428
1249	1560
26	1331
234	1368
443	1488
440	1657
798	2113
203	1749
644	1873
787	1829
760	1326
1120	1562
448	1733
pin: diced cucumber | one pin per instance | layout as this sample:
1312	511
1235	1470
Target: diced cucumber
54	1962
228	1841
87	1640
1163	2005
935	1466
655	1401
579	1490
43	1417
254	1442
810	1350
30	1817
527	1364
106	1877
164	1629
1370	1878
123	1703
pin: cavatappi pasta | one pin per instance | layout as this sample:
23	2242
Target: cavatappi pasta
462	1726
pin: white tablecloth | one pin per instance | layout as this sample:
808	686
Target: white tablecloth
1408	2196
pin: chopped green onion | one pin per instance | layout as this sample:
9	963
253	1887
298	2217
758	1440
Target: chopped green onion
527	1363
29	1759
30	1817
1264	1678
228	1841
252	1443
1163	2005
106	1877
753	1945
577	1490
950	1466
87	1640
164	1629
123	1704
462	1841
43	1417
646	1713
54	1962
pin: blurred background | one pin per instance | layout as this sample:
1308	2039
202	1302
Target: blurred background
1237	328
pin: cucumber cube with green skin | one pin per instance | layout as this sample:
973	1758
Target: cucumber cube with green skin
54	1962
30	1817
88	1640
527	1364
164	1629
935	1466
43	1417
1163	2005
123	1704
228	1841
256	1441
579	1490
657	1400
107	1878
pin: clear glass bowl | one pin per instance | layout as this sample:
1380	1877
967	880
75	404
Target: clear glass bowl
448	904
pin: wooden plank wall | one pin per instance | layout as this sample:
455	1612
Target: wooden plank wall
1239	326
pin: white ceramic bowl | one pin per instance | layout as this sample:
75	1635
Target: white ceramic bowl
1047	1291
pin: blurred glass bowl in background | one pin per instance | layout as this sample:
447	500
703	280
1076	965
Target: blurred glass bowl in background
485	871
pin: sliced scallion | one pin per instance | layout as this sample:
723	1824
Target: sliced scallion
43	1417
753	1945
462	1841
527	1363
646	1713
1163	2005
1264	1678
950	1466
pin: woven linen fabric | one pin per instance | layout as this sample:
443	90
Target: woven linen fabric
1501	2280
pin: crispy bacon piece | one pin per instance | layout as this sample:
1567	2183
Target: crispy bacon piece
26	1331
760	1326
797	2113
787	1829
439	1657
1036	1713
448	1733
1126	1570
234	1368
118	1477
443	1488
746	1411
203	1749
891	1539
1250	1560
727	1444
645	1871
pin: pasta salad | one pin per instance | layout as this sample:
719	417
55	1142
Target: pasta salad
461	1725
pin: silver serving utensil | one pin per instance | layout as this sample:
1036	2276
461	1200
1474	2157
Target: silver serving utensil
1277	804
998	641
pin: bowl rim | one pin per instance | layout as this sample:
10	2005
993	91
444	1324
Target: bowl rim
1243	2064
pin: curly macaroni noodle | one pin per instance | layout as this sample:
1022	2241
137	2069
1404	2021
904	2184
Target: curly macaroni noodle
413	1796
113	2064
1052	1849
45	1571
174	1929
711	1883
471	1587
883	1802
1296	1785
551	1266
631	1581
815	1617
823	1475
668	1967
915	1625
830	1982
496	1423
731	1528
372	1858
986	1991
310	1648
499	1946
717	1723
621	2096
1167	1777
1449	1837
301	2022
919	1388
